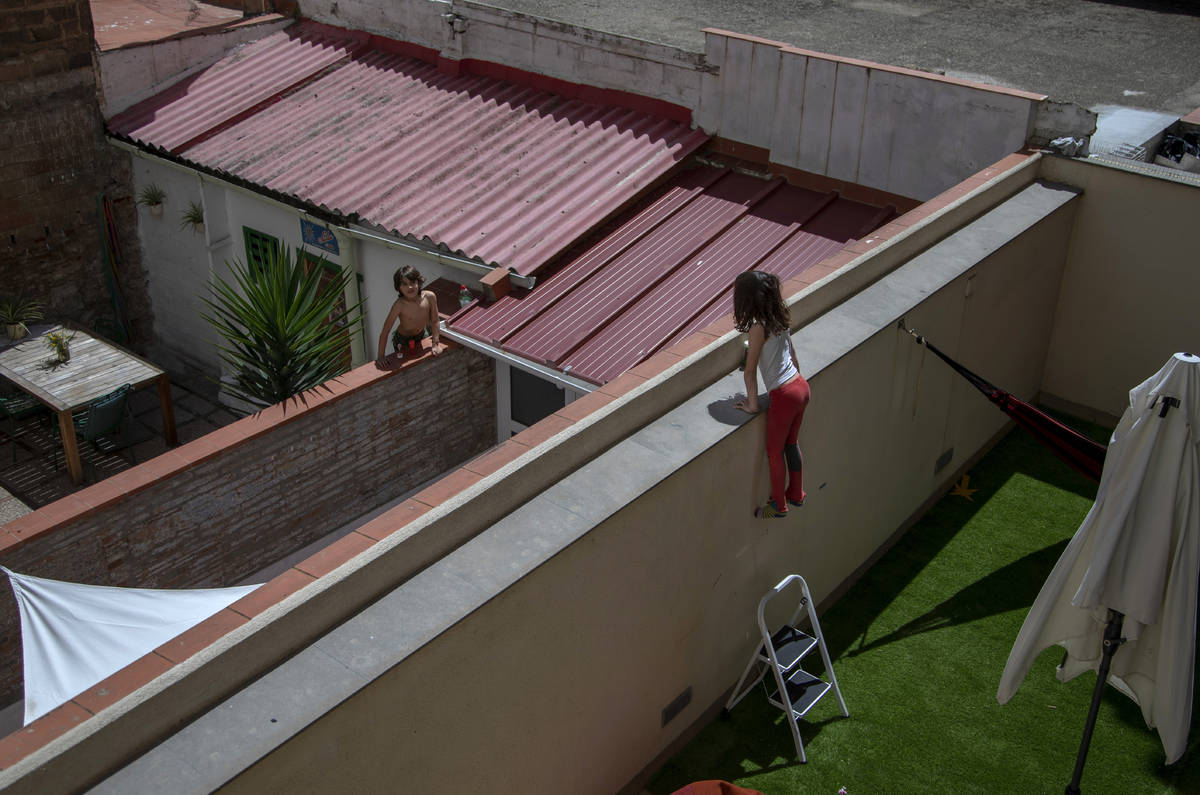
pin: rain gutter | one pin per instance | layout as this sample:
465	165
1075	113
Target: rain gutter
558	377
473	266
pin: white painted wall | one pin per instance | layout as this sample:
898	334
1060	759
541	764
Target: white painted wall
180	263
131	74
894	129
178	269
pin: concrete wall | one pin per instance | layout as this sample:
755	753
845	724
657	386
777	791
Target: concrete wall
222	516
130	74
897	130
1129	291
556	683
486	33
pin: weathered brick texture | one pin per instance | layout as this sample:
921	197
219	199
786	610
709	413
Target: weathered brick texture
246	507
55	165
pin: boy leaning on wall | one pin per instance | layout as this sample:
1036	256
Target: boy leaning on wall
417	313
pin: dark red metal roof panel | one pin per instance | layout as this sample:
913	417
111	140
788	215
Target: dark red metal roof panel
640	329
799	253
669	271
628	277
488	169
510	313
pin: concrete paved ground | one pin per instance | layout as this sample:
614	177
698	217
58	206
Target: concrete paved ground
1128	53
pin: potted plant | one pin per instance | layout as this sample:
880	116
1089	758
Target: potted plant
16	312
193	216
152	198
60	343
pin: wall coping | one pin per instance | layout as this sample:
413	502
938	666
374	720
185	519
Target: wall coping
879	67
283	616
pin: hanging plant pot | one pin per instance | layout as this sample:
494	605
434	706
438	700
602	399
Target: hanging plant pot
152	198
193	218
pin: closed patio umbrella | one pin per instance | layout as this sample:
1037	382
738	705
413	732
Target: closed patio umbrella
1133	567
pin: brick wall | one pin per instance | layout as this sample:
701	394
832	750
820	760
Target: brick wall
55	162
215	511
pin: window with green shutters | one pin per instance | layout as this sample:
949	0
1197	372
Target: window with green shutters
259	246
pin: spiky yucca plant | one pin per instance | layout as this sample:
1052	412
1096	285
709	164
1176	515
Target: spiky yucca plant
284	331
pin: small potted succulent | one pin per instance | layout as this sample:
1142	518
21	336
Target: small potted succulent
193	217
60	343
18	311
152	198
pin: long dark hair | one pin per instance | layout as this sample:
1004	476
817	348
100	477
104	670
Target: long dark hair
756	299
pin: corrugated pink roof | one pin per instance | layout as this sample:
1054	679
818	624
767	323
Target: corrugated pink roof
489	169
235	87
668	271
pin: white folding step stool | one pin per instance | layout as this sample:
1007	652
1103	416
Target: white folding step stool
796	690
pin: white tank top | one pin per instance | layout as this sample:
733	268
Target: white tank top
775	362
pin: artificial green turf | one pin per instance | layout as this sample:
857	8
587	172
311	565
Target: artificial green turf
919	644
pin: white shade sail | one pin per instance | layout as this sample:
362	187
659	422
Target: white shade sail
1137	552
73	636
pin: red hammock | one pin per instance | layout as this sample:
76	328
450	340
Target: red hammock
1084	455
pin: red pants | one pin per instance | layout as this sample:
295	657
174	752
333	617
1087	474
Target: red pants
784	415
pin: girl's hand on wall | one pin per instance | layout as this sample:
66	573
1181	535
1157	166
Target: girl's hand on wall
747	406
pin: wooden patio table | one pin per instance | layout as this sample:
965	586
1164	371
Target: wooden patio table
96	367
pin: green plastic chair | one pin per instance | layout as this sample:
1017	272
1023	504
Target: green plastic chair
104	418
17	407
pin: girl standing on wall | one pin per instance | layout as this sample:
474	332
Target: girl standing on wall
758	309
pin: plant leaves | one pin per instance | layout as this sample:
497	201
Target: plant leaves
284	331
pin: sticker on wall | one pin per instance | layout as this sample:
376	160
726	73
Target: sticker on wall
319	236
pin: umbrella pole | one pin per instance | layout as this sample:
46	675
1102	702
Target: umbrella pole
1112	640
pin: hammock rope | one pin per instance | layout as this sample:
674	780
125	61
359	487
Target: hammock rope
1077	450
